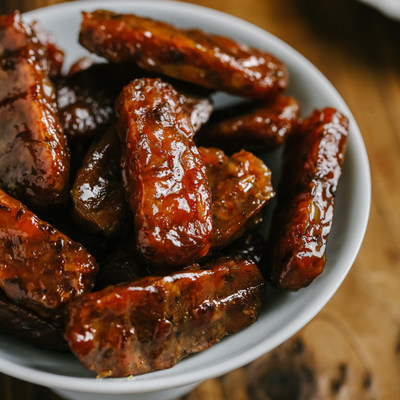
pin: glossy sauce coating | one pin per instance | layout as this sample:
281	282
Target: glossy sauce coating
40	268
302	221
152	323
98	194
86	99
164	175
240	187
27	325
191	55
34	159
264	128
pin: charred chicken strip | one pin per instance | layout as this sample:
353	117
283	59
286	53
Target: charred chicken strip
164	175
34	160
191	55
311	168
152	323
240	187
264	128
40	268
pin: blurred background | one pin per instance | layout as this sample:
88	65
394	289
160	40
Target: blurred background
351	350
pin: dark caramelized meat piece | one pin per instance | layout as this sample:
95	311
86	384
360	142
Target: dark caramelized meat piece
190	55
164	174
55	55
80	65
40	268
263	128
98	193
240	187
302	221
34	161
27	325
86	99
152	323
195	100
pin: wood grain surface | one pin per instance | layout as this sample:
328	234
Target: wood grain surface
351	350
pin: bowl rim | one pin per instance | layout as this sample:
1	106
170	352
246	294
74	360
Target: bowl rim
123	385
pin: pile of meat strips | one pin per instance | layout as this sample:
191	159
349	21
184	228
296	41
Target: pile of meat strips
150	250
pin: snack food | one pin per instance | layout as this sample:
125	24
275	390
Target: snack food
240	187
253	126
164	175
190	55
311	169
243	174
152	323
34	158
40	268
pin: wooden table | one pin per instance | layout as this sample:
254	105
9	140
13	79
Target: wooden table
351	350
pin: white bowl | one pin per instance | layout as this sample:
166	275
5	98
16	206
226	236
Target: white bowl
283	314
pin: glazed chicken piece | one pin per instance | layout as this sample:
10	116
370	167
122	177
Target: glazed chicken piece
262	128
152	323
34	159
123	264
207	60
86	98
27	325
40	268
164	175
311	168
98	193
240	187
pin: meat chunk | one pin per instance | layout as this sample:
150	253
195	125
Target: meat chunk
249	246
98	193
34	159
27	325
208	60
152	323
86	99
311	169
262	128
40	268
240	187
164	174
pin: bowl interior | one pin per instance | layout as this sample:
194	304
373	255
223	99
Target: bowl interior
283	314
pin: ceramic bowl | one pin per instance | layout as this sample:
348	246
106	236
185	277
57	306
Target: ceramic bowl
283	314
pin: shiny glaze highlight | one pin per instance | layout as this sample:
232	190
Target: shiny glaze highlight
152	323
311	168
